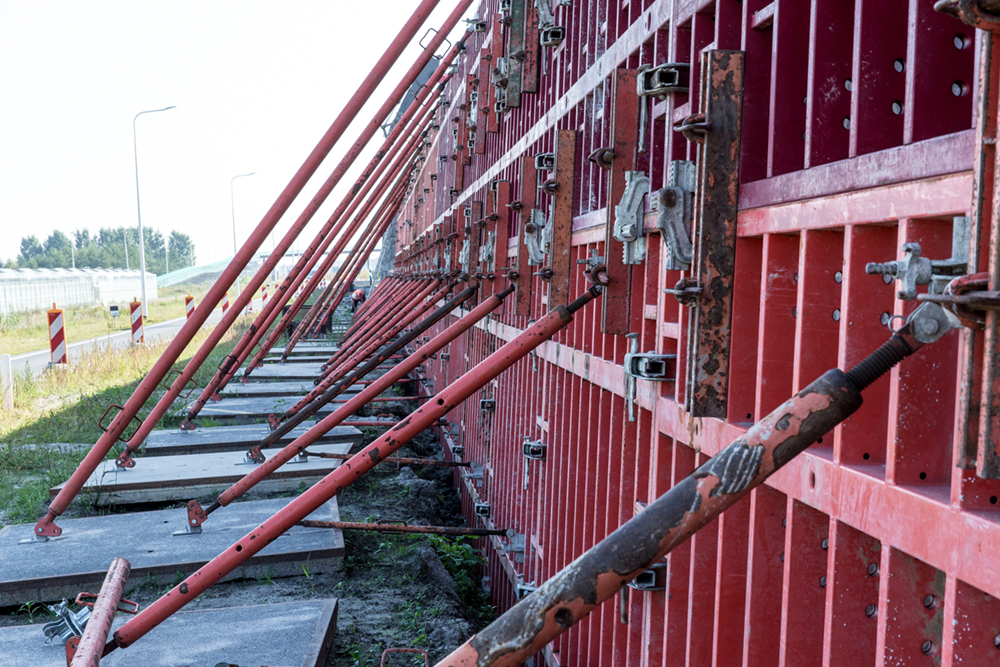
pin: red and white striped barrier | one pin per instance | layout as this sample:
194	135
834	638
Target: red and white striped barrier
263	296
138	333
57	336
189	305
225	303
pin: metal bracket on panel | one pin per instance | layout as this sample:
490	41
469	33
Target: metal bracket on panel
488	405
675	211
534	237
628	217
477	470
516	546
463	256
487	253
653	579
457	449
650	366
482	509
534	449
552	36
523	590
915	270
500	75
545	162
663	79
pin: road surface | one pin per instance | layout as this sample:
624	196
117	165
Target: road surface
39	361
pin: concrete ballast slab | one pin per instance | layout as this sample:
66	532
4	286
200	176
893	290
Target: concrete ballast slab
207	439
259	407
187	476
78	559
286	633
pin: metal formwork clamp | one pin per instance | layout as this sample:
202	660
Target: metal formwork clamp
515	546
653	579
545	162
482	509
914	269
534	237
545	17
488	405
552	36
534	449
674	205
69	623
523	589
628	217
661	80
487	253
650	366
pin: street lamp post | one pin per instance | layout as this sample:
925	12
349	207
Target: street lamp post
232	205
142	244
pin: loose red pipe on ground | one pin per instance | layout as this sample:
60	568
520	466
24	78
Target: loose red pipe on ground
580	587
46	526
361	463
95	635
294	448
404	528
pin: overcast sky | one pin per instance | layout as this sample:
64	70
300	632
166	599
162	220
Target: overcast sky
255	85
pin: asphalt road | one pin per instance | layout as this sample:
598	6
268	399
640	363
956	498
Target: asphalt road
39	361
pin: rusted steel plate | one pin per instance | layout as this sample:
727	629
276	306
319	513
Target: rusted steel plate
560	250
624	135
531	65
529	199
515	53
714	236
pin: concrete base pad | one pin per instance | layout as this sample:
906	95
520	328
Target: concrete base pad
307	347
79	559
208	439
187	476
287	633
284	389
259	407
315	358
286	372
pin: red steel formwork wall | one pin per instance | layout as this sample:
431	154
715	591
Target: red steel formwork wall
879	545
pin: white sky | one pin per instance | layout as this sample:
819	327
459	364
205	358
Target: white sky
255	84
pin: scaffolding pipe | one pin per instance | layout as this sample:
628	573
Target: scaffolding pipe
299	445
385	380
95	635
335	482
46	526
580	587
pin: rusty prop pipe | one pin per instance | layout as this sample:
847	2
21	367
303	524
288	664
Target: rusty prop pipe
398	460
46	526
386	380
299	445
361	463
95	635
394	528
392	320
251	338
692	503
215	335
273	308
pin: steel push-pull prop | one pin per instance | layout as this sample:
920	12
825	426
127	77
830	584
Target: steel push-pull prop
46	526
692	503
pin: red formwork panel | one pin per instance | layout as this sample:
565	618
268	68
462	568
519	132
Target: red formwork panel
859	136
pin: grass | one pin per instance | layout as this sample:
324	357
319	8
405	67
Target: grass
28	332
64	405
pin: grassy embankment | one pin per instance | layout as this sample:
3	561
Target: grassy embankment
64	405
28	332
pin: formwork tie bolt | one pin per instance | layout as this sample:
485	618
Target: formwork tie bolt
871	610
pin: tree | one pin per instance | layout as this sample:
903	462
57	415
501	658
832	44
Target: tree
181	251
31	249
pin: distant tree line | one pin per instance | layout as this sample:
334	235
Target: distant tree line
106	250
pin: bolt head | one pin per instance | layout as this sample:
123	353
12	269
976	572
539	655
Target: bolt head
928	326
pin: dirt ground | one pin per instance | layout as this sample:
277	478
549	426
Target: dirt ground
394	590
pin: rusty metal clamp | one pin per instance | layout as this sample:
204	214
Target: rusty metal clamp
687	291
967	298
980	14
694	128
603	157
124	606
